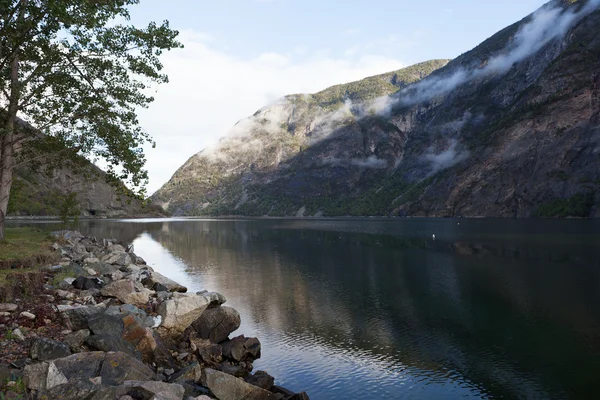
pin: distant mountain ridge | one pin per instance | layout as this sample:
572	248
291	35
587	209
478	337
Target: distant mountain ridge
508	129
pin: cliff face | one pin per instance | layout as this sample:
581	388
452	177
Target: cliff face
509	129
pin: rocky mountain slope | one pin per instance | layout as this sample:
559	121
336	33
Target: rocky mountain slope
508	129
37	193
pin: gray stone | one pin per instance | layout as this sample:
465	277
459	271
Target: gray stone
76	339
8	307
112	343
43	349
64	294
179	312
119	367
18	335
191	372
34	376
66	283
28	315
206	350
241	348
104	324
170	285
125	291
122	259
217	323
79	316
228	387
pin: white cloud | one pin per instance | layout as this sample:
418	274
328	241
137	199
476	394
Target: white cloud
210	90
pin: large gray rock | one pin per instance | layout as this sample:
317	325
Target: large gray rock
206	350
122	259
217	323
43	349
111	369
112	343
75	340
183	309
103	324
171	286
241	349
191	372
228	387
125	291
78	316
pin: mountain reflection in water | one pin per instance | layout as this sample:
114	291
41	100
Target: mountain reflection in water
376	309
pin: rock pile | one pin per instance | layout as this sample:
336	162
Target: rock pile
129	332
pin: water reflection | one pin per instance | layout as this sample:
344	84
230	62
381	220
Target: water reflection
376	309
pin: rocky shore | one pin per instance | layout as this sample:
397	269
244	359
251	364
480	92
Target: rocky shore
107	326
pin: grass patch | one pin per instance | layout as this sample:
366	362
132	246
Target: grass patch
22	252
26	248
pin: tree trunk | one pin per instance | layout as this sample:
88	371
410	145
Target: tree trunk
7	146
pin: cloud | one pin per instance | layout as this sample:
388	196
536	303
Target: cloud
547	23
446	158
210	90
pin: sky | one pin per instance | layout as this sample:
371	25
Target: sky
241	55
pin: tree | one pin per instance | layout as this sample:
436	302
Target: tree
72	71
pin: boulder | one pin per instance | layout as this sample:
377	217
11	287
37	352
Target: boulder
241	348
79	316
43	349
228	387
104	324
125	291
206	350
112	368
217	323
75	340
122	259
183	309
112	343
191	373
146	341
86	283
35	376
261	379
157	279
66	283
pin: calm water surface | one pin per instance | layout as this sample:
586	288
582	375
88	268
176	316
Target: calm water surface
377	309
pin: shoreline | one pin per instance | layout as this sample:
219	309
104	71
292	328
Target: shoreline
106	325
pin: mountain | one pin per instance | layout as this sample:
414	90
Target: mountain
38	193
508	129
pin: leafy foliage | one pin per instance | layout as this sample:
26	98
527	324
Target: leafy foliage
77	78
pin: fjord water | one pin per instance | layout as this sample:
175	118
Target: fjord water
377	309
